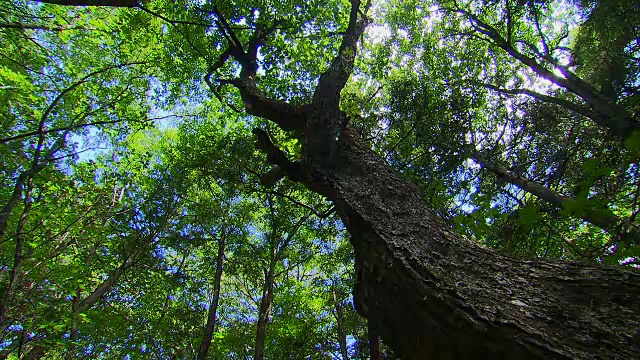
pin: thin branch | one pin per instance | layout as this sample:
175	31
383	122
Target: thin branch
321	215
22	26
582	110
55	130
106	3
172	21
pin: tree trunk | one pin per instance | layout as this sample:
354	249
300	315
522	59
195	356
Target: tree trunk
374	342
17	258
434	294
213	307
342	335
75	318
263	312
13	200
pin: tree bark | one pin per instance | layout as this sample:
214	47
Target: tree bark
435	294
264	312
374	342
213	307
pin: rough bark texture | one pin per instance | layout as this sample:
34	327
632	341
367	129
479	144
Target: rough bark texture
436	295
213	307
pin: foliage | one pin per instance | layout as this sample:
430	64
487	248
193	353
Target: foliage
125	161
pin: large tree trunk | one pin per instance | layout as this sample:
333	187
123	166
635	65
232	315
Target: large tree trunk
434	294
431	293
213	307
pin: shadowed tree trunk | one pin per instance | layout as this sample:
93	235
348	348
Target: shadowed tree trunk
430	292
342	335
213	307
263	312
374	342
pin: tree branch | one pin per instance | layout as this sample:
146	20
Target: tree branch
602	218
321	215
285	115
277	157
611	114
22	26
582	110
111	3
333	80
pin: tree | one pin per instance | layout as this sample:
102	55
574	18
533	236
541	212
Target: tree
430	292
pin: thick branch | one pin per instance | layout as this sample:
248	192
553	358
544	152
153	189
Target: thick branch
285	115
333	80
276	156
611	114
602	219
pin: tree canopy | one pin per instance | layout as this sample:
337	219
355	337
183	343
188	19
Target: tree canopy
319	180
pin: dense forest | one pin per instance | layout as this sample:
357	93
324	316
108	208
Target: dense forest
363	179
